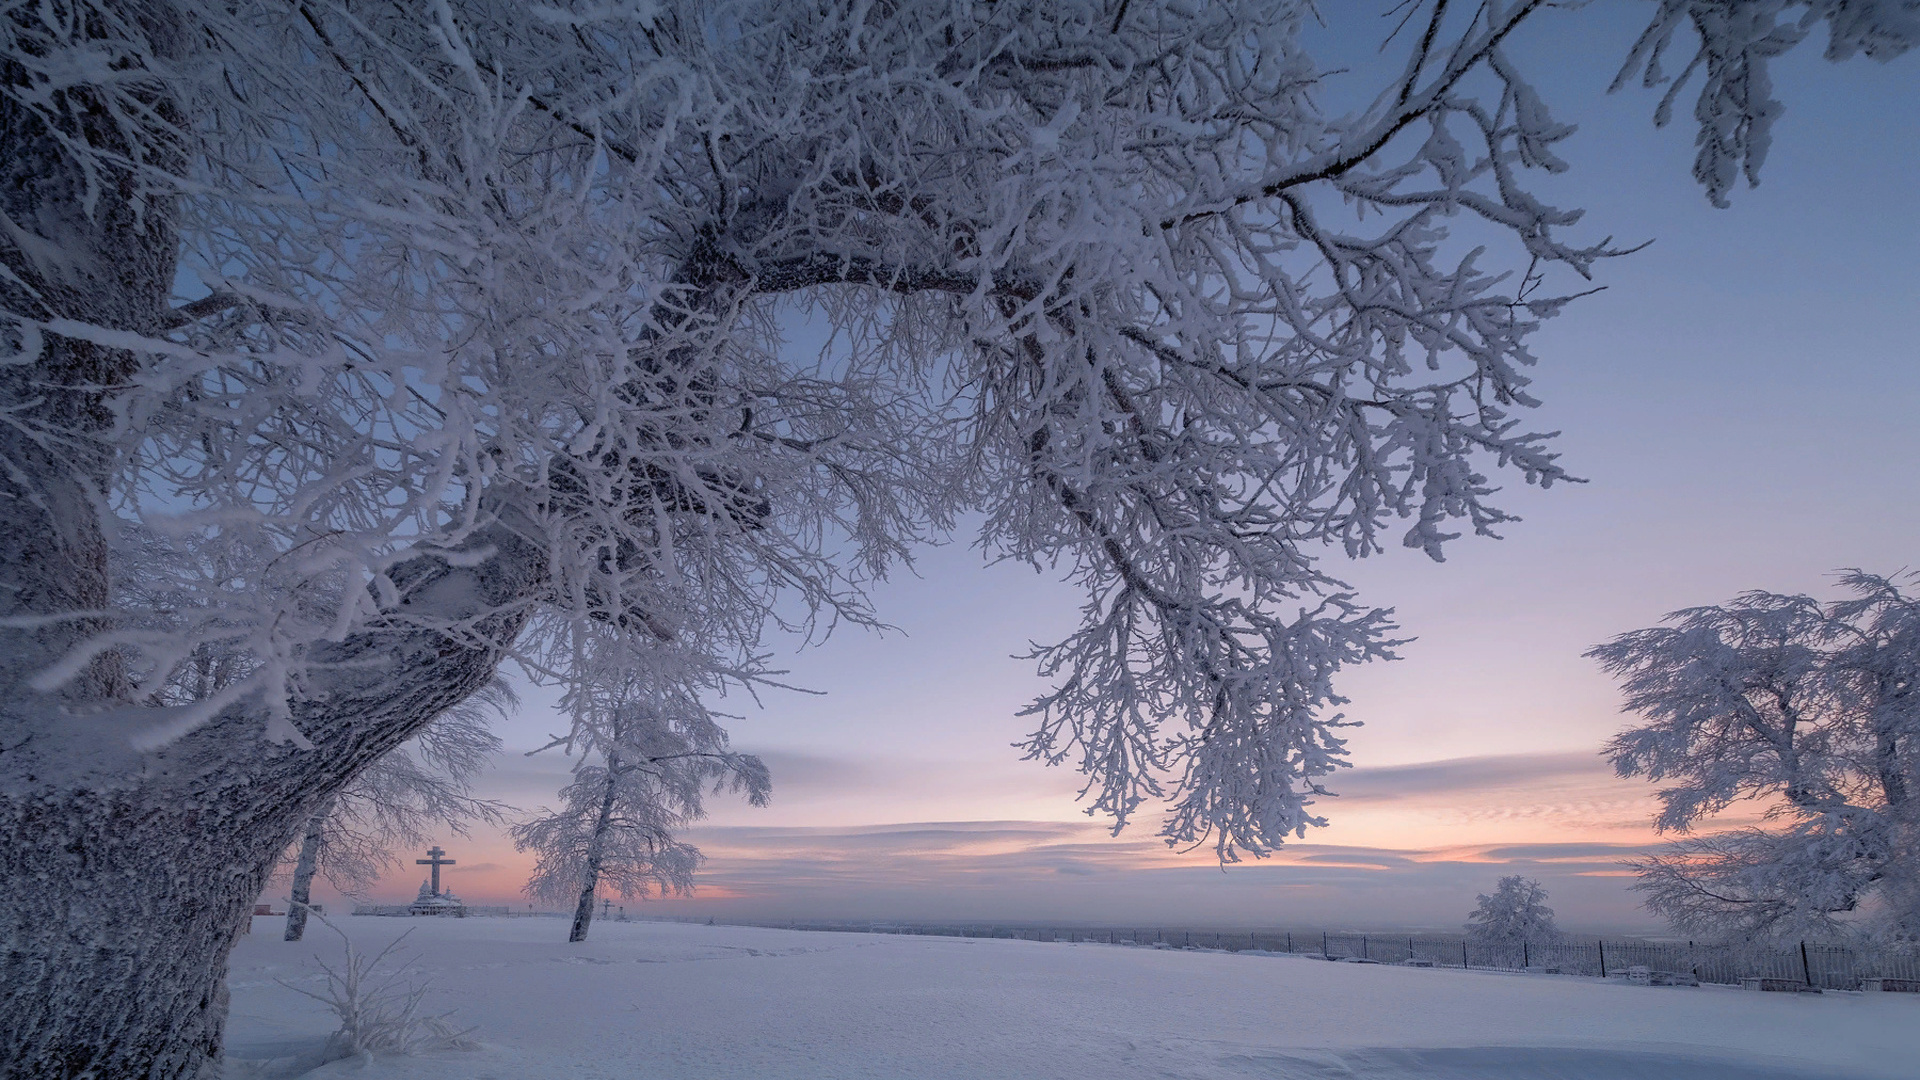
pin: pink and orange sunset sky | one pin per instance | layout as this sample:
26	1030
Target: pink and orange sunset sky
1741	399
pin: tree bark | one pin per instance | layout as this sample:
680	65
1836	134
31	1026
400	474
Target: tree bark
97	247
596	851
582	913
120	899
302	889
126	876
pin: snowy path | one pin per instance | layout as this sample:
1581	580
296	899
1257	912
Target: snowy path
671	1001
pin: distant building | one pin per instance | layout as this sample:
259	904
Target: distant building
436	903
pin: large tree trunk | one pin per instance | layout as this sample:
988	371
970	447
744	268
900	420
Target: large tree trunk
303	867
120	898
119	914
125	876
596	853
90	246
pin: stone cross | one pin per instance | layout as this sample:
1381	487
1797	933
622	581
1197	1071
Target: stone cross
436	860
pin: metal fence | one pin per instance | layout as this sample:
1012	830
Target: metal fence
1829	967
458	913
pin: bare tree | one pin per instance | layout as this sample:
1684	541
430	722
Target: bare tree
1809	710
468	316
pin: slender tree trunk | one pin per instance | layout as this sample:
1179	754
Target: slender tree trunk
582	913
303	868
596	852
1889	764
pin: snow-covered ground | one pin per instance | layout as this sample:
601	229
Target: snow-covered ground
666	1000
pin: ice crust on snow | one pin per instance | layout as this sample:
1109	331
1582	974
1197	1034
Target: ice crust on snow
670	1000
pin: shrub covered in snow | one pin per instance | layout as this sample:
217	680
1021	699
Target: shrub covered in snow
378	1005
1516	914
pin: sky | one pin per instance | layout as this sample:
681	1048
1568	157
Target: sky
1739	399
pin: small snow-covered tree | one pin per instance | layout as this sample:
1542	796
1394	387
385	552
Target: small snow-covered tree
1516	914
1809	710
469	316
645	768
420	785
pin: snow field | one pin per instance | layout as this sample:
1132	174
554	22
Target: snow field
669	1000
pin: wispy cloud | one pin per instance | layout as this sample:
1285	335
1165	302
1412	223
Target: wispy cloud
1038	870
1393	783
1411	845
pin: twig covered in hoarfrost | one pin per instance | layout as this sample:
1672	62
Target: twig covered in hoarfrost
1736	43
379	1008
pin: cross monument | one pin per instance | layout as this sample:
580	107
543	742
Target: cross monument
436	860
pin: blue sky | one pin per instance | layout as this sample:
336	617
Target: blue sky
1741	400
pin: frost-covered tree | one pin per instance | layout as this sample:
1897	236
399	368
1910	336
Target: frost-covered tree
469	317
1811	712
646	765
1516	914
421	785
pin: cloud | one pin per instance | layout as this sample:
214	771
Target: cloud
1075	872
1348	856
1468	775
931	834
1556	853
524	781
1413	845
796	773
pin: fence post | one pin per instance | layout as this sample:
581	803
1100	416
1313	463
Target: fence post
1526	955
1806	969
1603	957
1363	947
1323	944
1463	954
1289	941
1409	948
